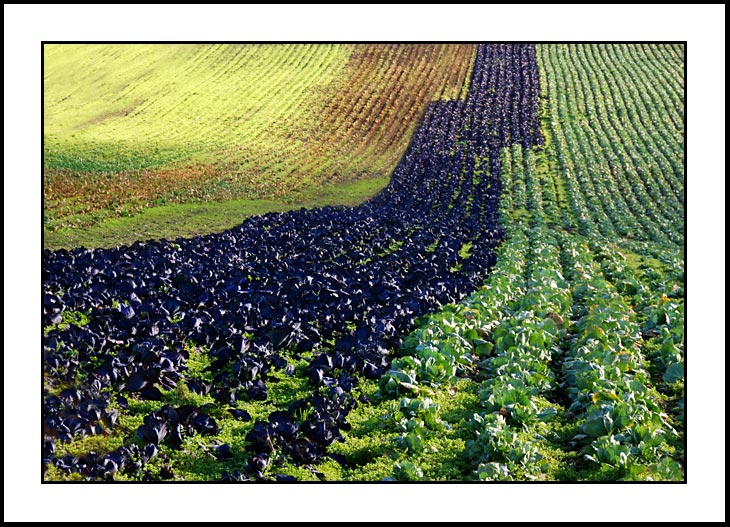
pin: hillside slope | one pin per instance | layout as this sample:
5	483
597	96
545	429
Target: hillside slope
132	126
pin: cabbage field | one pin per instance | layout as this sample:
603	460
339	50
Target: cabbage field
430	262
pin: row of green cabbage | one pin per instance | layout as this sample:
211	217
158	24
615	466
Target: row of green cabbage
509	330
606	379
657	298
512	329
450	341
448	344
510	432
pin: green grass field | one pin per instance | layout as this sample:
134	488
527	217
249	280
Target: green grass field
110	108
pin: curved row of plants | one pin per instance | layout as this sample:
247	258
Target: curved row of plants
623	164
262	334
579	348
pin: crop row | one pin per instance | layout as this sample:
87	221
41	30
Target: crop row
540	338
624	179
582	352
335	287
605	378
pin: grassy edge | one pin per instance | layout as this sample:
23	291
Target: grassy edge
193	219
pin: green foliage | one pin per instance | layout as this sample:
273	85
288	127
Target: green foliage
69	317
563	315
407	471
198	363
